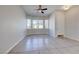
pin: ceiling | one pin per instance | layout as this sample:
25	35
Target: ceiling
31	9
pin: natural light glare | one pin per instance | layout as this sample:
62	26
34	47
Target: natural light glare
41	24
34	24
28	23
37	24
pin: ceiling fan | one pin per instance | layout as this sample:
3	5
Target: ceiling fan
40	9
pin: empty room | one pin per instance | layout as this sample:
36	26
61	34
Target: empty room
39	29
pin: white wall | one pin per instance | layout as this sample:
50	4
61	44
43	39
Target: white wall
12	27
72	23
59	22
52	25
56	23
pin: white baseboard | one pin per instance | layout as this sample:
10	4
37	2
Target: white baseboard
73	38
13	46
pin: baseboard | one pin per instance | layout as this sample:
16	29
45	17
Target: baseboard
71	38
13	46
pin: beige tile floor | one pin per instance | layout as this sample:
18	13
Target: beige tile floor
44	44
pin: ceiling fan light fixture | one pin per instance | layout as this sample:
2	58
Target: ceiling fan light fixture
66	7
39	11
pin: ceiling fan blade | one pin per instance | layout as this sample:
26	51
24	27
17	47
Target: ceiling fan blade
44	9
42	12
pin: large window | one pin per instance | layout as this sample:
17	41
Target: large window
40	23
46	24
37	24
28	24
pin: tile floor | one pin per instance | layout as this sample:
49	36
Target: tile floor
44	44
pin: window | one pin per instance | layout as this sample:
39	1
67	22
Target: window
28	23
37	24
40	24
46	24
